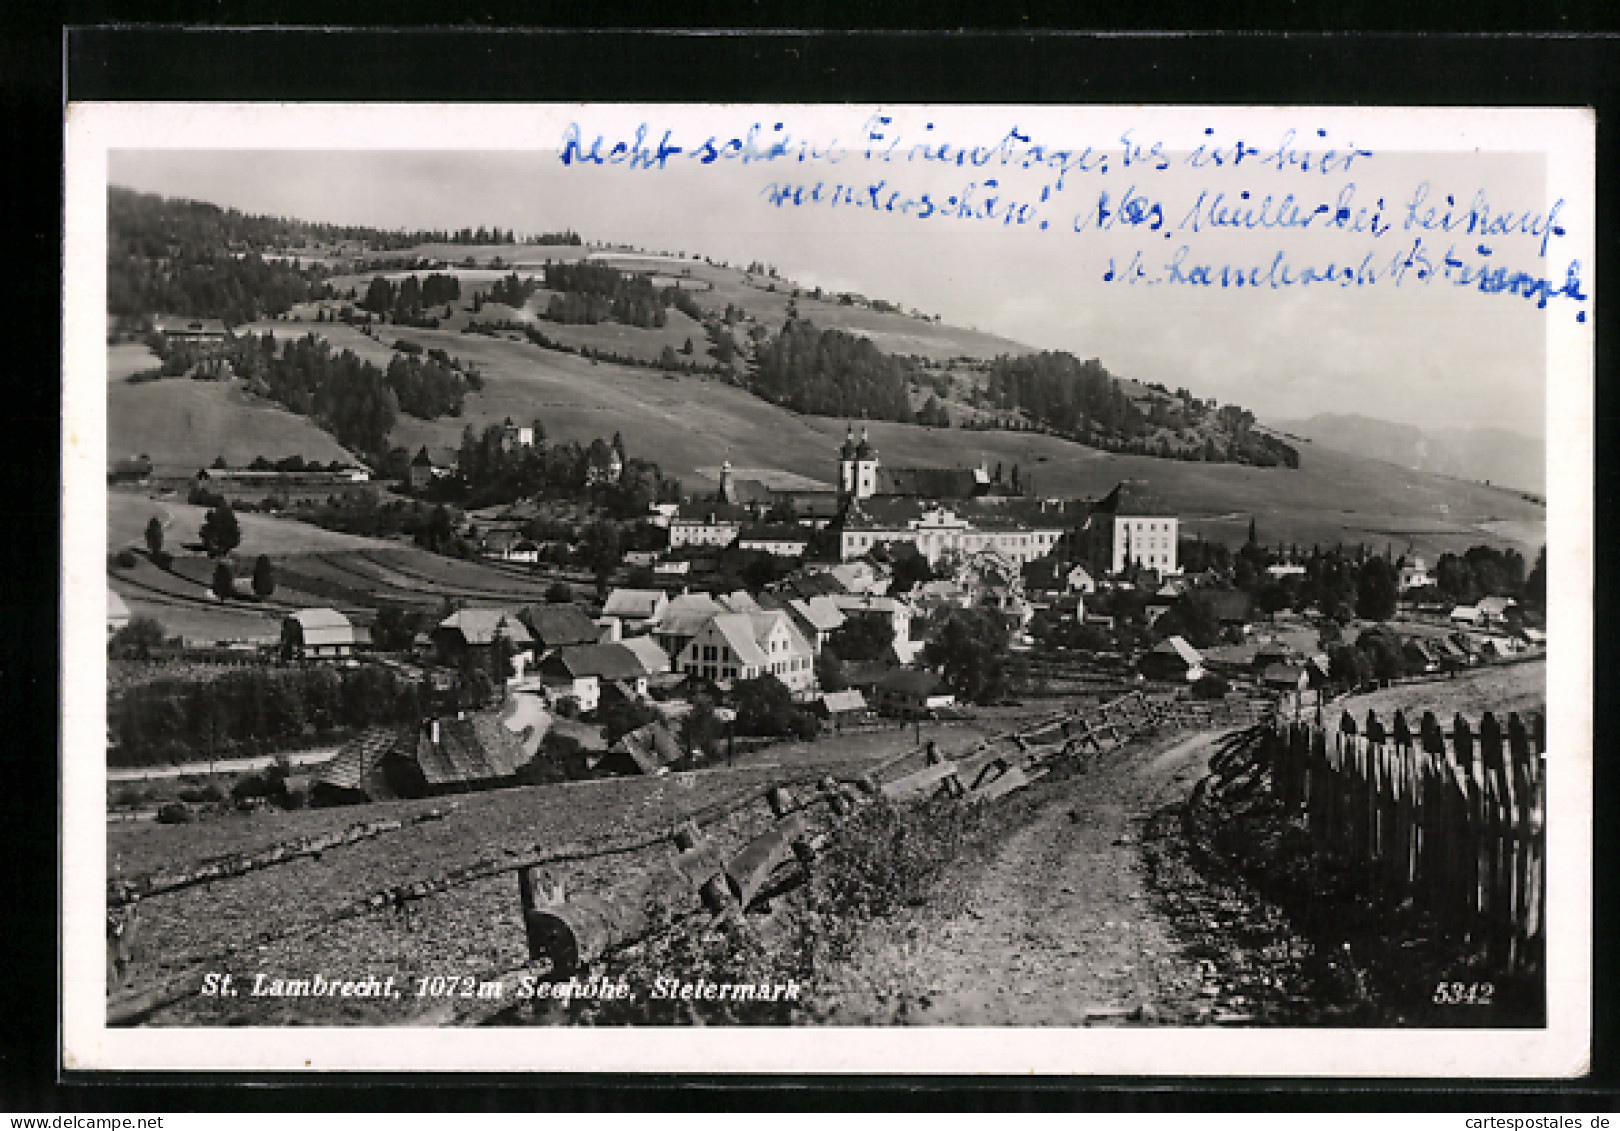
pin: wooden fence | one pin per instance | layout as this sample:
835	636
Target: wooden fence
1454	821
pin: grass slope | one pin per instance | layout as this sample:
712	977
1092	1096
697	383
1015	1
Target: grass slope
183	425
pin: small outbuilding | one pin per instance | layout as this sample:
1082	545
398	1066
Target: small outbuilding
317	634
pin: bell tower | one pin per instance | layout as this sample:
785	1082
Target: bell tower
866	467
846	465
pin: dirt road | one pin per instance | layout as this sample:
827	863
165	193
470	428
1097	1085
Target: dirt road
1061	929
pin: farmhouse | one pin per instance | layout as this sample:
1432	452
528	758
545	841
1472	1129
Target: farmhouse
648	750
1173	659
910	694
735	646
422	471
206	333
637	610
558	626
1413	574
443	755
474	632
1131	526
578	672
1494	610
840	704
816	618
682	619
312	634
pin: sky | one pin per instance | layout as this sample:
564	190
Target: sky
1432	355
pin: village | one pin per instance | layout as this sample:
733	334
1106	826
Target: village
853	627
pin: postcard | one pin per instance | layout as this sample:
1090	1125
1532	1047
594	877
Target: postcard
1055	590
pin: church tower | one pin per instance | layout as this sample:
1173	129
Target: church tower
866	467
846	465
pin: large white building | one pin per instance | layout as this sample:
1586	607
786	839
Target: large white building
1131	526
939	510
733	646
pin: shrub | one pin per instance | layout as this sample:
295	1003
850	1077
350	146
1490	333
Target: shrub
1210	687
124	559
174	813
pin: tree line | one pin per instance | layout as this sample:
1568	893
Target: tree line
407	302
251	711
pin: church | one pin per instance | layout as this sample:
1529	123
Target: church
938	510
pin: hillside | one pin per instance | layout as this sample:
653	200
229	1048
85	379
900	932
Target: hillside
183	425
1491	455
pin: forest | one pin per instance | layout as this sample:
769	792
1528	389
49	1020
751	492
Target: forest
832	373
1083	401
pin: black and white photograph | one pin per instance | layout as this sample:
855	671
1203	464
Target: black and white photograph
907	588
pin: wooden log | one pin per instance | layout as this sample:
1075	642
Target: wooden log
924	782
749	869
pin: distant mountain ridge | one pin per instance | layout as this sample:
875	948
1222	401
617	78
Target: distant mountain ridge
1499	456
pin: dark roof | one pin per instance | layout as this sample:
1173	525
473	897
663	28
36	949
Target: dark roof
774	532
1132	497
357	766
557	626
651	747
708	511
927	482
422	458
605	661
473	749
910	682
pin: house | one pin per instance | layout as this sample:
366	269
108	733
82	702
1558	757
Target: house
579	671
707	524
840	704
474	632
891	609
442	755
1494	610
735	646
204	333
1413	574
1272	653
1420	655
653	659
117	612
510	546
1452	656
785	540
672	569
648	750
421	472
912	694
643	559
1053	575
1284	570
559	626
311	634
1173	659
816	617
603	464
1285	677
636	609
1468	615
1132	526
683	617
